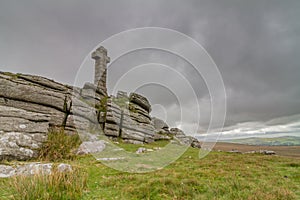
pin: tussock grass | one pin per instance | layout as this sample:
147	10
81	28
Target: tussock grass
59	146
57	185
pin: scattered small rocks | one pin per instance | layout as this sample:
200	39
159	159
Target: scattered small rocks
145	150
265	152
234	151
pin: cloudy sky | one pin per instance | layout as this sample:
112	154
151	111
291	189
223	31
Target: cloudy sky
255	44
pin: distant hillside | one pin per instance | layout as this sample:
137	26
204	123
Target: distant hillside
278	141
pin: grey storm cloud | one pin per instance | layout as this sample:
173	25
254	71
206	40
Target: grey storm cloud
255	44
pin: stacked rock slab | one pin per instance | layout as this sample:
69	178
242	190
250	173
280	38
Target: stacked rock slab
31	105
128	118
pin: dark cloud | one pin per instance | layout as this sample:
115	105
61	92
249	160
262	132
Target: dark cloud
255	44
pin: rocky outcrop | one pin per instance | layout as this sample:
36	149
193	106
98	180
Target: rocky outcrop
161	129
31	105
162	132
128	118
185	139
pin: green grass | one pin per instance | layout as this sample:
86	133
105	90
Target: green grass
217	176
57	185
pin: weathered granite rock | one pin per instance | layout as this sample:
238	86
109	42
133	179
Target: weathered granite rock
101	60
184	139
127	119
161	137
159	124
6	171
196	143
30	105
17	89
32	169
140	100
161	129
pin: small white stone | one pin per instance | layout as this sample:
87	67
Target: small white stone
149	150
22	126
64	167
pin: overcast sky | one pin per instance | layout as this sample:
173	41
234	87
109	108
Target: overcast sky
255	44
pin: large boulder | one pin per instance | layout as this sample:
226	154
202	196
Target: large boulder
159	124
140	100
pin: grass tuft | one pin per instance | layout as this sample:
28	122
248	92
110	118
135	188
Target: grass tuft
57	185
59	146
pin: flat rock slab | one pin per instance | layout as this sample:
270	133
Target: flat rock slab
32	169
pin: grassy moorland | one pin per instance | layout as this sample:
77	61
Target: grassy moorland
276	141
286	151
219	175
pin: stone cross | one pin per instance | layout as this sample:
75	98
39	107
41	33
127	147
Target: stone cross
101	60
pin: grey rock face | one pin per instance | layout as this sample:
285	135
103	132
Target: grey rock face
101	60
30	105
141	101
159	124
184	139
127	119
